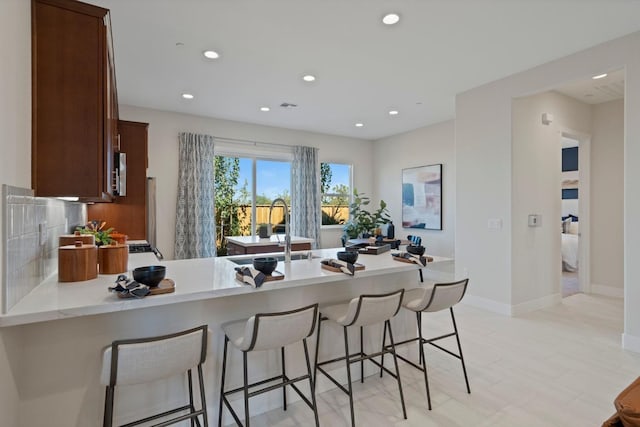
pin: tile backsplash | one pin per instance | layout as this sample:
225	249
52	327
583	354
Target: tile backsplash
32	226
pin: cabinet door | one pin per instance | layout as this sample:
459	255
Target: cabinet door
69	152
128	214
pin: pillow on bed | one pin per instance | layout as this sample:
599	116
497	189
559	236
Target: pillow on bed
573	228
566	223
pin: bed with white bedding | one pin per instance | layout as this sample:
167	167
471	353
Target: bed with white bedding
570	246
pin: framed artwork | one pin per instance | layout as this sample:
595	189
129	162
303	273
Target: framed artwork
422	197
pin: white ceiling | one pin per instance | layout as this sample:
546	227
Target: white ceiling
364	68
592	91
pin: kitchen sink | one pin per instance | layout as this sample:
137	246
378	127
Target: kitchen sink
249	260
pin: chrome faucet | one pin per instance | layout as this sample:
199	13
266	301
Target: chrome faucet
287	234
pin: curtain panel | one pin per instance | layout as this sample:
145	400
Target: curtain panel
305	194
195	219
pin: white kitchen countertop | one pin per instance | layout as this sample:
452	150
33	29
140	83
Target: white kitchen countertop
196	279
273	240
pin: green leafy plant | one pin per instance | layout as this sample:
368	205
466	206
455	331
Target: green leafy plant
101	235
361	220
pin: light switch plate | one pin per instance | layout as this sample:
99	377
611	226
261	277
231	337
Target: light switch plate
494	224
42	233
535	220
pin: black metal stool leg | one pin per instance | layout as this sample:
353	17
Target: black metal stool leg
395	362
246	389
423	361
315	362
312	387
348	364
464	369
384	340
224	369
192	408
202	398
284	375
108	407
361	355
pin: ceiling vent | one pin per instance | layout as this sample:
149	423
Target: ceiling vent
288	105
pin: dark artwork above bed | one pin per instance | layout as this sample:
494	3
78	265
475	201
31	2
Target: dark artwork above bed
573	218
569	159
569	193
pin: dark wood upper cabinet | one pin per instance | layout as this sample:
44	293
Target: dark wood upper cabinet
128	214
74	128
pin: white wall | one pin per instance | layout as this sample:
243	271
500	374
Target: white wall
483	137
607	201
164	128
425	146
537	166
15	161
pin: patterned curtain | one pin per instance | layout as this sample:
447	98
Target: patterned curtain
305	194
195	220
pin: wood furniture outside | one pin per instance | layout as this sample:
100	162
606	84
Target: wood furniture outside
128	214
74	100
235	249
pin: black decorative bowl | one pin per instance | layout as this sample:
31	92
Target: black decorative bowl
348	256
265	265
150	276
416	250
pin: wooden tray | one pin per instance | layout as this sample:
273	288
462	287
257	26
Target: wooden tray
397	258
166	286
276	275
358	267
374	250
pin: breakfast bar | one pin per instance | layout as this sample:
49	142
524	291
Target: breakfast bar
58	332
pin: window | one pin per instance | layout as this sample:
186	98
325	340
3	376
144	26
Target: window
245	186
335	182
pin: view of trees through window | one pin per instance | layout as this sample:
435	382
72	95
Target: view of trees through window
238	210
335	183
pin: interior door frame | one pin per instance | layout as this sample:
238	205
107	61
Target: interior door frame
584	193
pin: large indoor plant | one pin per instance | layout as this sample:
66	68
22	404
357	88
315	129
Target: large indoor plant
361	221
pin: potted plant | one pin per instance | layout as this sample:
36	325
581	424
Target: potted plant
363	222
102	236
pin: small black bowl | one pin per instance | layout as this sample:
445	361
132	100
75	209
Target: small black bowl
150	276
265	265
416	250
348	256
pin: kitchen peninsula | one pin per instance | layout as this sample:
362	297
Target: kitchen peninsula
240	245
59	330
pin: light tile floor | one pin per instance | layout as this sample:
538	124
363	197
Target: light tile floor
561	366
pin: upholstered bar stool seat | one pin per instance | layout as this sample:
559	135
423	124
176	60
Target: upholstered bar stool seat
430	299
137	361
269	331
362	311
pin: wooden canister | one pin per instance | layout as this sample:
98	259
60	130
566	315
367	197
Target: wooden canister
71	239
77	263
113	259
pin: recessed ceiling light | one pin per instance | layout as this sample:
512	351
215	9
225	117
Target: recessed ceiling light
599	76
359	125
187	96
308	78
391	18
393	112
211	54
265	109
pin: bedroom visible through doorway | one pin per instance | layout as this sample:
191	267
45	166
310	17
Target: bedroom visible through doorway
570	194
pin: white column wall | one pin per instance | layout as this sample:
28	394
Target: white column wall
15	161
607	198
424	146
165	126
483	123
537	157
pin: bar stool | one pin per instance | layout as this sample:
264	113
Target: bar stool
362	311
269	331
137	361
441	296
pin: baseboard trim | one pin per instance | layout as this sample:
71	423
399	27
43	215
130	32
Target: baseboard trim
487	304
609	291
631	343
536	304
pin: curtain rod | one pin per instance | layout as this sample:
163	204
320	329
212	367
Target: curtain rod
249	142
